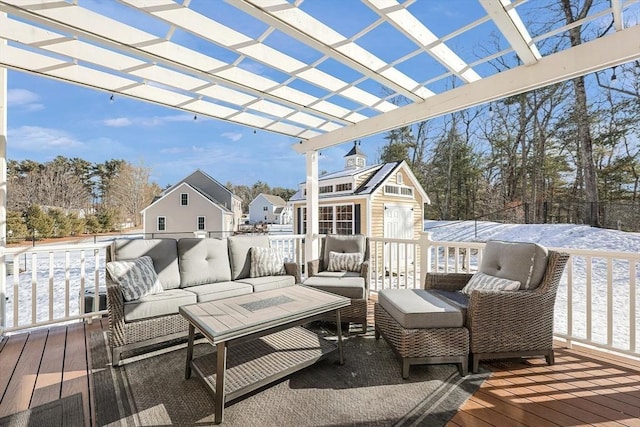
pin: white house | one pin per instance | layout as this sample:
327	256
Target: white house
269	209
198	205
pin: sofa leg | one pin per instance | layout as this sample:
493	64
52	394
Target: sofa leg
463	367
376	333
475	363
115	357
550	358
364	326
405	369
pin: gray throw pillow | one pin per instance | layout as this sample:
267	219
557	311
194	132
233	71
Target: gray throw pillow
136	277
347	261
266	262
482	281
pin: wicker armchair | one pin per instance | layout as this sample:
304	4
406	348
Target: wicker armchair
348	283
507	324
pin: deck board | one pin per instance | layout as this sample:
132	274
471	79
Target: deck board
585	386
49	381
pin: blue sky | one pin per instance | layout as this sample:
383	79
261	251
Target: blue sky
47	118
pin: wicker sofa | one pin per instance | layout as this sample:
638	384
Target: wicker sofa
190	270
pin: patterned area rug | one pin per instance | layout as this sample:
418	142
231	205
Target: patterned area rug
367	390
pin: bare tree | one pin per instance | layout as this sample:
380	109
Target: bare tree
130	191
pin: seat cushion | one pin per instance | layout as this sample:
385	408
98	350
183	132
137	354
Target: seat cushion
521	261
455	298
162	304
215	291
337	274
341	244
163	252
419	309
203	261
239	253
347	286
265	283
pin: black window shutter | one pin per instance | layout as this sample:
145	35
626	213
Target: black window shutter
299	220
356	218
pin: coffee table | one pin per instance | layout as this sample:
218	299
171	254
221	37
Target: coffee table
260	335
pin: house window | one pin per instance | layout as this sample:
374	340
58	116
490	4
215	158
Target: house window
184	199
344	187
399	178
336	219
326	189
162	223
201	223
265	208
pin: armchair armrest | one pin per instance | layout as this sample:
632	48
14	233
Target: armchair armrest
506	321
292	270
313	267
446	281
115	309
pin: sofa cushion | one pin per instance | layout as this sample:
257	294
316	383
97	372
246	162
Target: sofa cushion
521	261
266	262
419	308
266	283
337	274
342	243
347	286
239	253
136	277
163	252
455	298
162	304
215	291
347	261
482	281
203	261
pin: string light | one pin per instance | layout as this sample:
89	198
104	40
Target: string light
613	76
111	98
195	117
490	111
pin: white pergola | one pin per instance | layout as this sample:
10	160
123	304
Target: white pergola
292	68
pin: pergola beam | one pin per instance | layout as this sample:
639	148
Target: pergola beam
513	29
599	54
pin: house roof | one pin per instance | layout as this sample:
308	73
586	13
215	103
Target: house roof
199	174
321	69
274	200
355	150
197	190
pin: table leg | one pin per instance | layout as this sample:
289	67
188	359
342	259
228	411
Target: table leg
339	329
187	370
221	367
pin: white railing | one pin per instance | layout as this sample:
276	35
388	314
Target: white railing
47	284
597	301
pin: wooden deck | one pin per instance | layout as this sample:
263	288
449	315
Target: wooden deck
584	386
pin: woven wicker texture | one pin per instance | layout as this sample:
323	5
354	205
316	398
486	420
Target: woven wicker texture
430	342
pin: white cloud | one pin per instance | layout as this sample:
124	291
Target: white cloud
118	122
35	138
233	136
24	99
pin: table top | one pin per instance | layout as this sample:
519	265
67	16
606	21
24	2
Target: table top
235	317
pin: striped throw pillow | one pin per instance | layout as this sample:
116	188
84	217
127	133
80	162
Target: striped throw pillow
482	281
347	261
266	262
136	277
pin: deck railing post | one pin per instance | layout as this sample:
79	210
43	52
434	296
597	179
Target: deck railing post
3	190
425	252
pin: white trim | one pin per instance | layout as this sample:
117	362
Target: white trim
333	216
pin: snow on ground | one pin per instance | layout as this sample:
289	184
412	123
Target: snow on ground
550	235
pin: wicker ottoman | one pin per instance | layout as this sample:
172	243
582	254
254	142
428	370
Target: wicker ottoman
422	328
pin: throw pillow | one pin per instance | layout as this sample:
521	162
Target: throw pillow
482	281
266	262
136	277
347	261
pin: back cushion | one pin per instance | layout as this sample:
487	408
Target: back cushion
163	253
342	244
203	261
524	262
239	254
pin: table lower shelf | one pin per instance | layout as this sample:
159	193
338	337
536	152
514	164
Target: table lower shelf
256	363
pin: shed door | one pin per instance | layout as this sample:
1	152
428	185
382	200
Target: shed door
398	224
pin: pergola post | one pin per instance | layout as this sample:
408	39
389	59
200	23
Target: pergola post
3	192
311	240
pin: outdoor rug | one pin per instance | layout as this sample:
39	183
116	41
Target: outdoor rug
367	390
